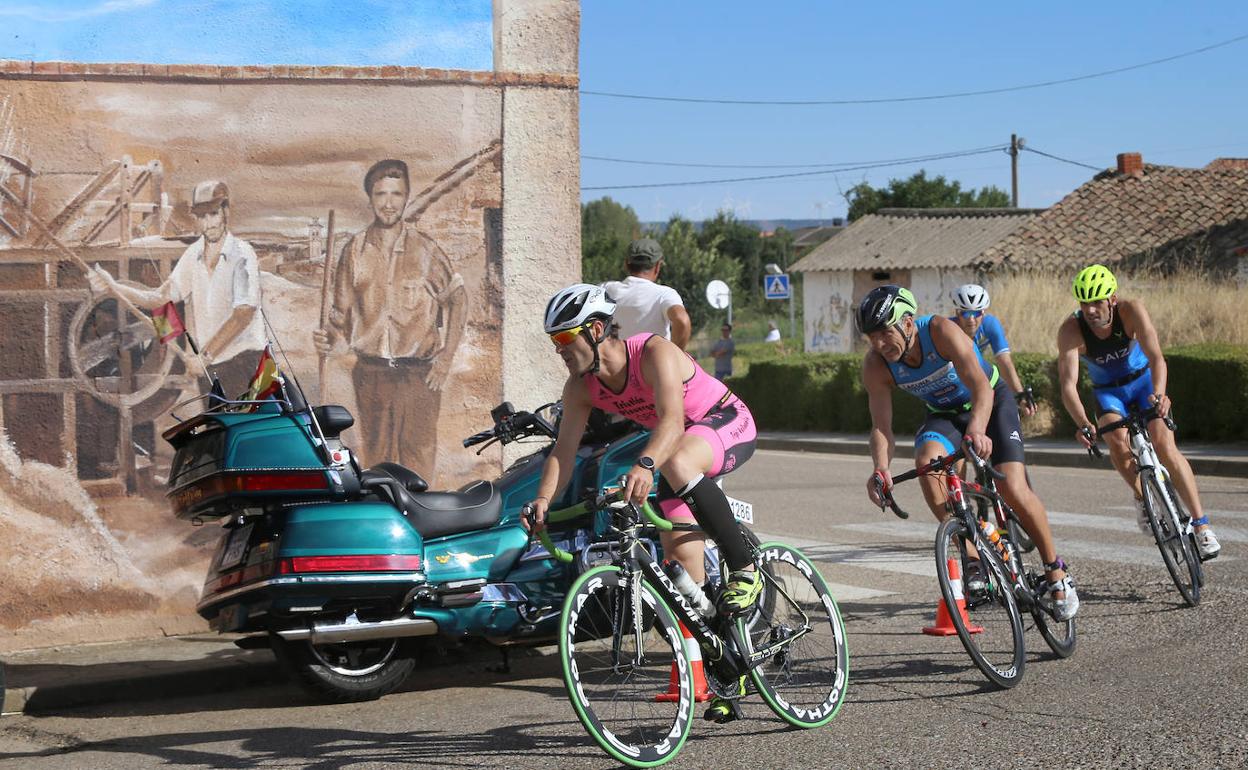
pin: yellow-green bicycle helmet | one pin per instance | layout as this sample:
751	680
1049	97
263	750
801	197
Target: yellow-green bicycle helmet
1094	283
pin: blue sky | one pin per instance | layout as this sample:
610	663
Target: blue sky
1183	112
434	33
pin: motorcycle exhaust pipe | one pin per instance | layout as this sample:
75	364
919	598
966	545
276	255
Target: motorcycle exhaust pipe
333	633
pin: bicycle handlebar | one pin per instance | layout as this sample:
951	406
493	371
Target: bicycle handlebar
1094	449
942	463
887	497
1137	418
1026	396
980	462
580	509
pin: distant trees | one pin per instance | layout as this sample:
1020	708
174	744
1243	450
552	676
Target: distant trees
919	192
691	262
736	252
606	229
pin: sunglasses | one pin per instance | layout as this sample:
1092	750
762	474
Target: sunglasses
970	313
565	337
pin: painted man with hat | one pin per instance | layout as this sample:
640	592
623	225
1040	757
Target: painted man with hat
400	307
218	276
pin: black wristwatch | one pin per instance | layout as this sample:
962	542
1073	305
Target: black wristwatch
646	462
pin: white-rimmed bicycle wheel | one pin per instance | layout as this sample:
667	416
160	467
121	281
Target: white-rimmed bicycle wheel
803	682
613	668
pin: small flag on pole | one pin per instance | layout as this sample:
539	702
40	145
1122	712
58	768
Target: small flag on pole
167	322
265	382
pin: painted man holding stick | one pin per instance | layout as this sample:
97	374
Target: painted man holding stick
400	307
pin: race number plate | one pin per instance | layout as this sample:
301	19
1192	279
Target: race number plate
236	548
742	510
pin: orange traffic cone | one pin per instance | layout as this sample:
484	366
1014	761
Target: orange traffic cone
693	651
944	624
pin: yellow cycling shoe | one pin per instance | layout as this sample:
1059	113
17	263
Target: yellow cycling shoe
740	592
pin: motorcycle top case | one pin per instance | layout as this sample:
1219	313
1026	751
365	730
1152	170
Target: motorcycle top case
227	461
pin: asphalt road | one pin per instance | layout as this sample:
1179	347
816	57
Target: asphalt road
1151	683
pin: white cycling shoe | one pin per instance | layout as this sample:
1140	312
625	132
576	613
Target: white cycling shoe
1207	544
1061	609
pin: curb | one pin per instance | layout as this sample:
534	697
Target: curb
190	678
1057	458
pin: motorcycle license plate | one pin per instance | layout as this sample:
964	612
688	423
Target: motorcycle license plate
236	548
742	510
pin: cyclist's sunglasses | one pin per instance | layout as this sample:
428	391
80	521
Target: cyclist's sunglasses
970	313
565	337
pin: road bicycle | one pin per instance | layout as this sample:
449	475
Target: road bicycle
620	642
1167	516
989	618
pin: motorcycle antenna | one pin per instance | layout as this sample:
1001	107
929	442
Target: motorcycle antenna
290	369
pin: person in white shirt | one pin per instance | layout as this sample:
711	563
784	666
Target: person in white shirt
773	334
642	304
219	277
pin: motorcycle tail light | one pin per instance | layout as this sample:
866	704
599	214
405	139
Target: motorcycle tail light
350	563
240	576
221	484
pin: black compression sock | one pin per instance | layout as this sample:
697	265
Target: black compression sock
710	507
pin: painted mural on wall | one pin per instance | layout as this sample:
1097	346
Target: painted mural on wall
830	327
352	227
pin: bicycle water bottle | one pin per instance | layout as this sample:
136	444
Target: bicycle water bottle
994	537
690	590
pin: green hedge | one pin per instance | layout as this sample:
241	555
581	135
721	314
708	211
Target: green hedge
823	392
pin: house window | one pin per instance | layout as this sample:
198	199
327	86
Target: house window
881	275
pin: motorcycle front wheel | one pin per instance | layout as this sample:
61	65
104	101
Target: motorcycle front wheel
350	671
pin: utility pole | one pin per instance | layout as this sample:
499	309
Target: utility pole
1016	144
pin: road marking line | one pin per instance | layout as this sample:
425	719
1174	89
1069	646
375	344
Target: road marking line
876	557
843	592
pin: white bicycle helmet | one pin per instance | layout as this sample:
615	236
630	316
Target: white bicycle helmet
576	306
970	296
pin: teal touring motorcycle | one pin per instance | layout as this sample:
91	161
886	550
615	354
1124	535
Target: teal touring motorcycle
342	570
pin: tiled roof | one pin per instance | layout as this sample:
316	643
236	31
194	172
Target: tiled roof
1115	216
897	239
1225	163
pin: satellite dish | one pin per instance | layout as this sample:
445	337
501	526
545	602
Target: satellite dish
718	294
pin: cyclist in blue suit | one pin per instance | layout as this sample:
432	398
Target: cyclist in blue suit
970	303
1116	340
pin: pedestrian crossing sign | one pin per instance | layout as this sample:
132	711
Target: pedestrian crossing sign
776	286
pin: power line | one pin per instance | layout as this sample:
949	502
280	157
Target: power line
925	98
768	165
1064	160
692	183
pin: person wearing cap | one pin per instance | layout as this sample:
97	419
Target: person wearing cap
644	305
218	276
400	307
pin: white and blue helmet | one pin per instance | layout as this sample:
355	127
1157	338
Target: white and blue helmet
970	296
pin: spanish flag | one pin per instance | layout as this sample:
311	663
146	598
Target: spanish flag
265	382
167	322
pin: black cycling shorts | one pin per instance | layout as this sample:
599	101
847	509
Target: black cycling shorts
1004	428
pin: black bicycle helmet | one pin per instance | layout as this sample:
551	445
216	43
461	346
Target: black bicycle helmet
884	306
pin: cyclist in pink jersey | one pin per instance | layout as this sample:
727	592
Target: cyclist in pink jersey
698	430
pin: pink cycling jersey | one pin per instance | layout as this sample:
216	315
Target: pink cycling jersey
712	412
636	402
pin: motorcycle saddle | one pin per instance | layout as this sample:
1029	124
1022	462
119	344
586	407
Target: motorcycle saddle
478	505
